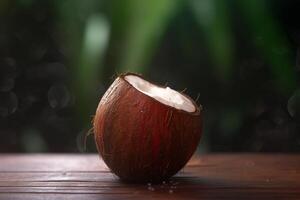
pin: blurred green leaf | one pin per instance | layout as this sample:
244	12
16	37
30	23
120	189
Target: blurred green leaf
271	41
144	24
86	33
95	41
72	16
213	17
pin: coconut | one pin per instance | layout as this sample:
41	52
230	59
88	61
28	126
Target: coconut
145	132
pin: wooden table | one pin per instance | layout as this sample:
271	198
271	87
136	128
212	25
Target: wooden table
85	176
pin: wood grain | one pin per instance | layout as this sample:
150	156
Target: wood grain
221	176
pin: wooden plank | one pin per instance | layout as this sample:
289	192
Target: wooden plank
51	162
241	176
208	194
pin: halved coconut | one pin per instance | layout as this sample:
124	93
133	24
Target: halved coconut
146	132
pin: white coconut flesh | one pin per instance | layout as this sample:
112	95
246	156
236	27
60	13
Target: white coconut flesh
165	95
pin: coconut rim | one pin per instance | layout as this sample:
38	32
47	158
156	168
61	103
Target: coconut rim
198	108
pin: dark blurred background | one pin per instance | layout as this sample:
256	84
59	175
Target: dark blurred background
57	58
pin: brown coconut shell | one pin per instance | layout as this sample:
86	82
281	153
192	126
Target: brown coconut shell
141	139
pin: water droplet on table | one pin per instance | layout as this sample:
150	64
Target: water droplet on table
151	188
